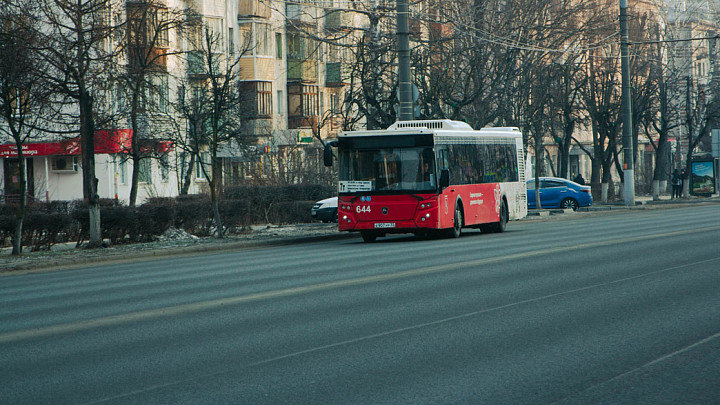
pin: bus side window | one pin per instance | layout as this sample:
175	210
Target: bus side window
442	159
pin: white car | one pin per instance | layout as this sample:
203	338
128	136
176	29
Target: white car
325	210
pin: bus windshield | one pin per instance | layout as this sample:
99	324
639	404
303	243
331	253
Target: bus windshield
388	169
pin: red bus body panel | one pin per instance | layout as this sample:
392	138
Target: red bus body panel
404	212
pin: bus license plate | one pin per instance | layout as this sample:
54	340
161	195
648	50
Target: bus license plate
385	225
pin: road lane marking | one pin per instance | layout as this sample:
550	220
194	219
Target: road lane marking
644	366
365	338
195	307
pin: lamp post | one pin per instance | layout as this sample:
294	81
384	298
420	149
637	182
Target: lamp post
405	92
628	165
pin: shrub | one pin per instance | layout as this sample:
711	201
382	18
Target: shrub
194	214
119	224
58	221
41	230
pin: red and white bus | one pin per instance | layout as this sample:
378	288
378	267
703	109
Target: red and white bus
427	177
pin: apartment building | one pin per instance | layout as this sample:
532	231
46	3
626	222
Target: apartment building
290	81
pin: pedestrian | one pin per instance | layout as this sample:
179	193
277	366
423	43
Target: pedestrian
579	179
676	184
683	177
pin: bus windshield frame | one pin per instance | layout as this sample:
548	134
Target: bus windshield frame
392	170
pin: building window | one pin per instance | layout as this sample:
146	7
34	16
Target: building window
256	38
280	102
309	100
334	103
278	46
163	93
145	171
122	171
259	96
302	106
164	168
231	41
216	31
263	35
203	161
264	98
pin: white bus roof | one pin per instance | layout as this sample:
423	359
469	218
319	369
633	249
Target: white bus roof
446	127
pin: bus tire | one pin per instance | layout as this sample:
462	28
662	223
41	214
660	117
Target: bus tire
501	225
456	230
368	236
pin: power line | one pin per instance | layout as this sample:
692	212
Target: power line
673	40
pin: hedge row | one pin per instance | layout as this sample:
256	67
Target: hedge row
65	221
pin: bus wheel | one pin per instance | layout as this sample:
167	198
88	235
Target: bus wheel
368	236
457	226
502	224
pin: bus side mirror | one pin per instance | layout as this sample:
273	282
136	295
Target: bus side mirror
327	153
444	178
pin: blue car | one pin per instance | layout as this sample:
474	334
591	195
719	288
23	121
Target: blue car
559	193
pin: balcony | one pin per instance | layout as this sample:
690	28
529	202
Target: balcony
253	9
335	72
301	14
256	68
302	71
336	20
299	122
152	59
196	63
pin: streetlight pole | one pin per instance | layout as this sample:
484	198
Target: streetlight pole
405	99
628	165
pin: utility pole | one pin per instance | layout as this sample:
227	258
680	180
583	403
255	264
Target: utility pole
628	147
405	99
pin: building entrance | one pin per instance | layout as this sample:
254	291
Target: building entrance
12	179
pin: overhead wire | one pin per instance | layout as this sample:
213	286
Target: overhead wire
378	7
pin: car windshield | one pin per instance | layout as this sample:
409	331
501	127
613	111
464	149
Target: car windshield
392	169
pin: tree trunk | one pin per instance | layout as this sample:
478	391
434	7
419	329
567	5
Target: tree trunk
95	229
213	181
604	193
135	148
659	173
17	234
90	182
135	177
216	219
656	190
188	175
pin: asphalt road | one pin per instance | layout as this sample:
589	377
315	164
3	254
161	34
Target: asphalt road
615	308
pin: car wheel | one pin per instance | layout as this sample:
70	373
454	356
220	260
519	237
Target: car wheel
335	216
569	203
368	236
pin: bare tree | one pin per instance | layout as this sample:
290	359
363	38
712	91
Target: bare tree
145	77
662	116
216	106
23	97
77	43
701	116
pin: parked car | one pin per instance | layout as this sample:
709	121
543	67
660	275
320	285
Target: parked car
325	210
559	193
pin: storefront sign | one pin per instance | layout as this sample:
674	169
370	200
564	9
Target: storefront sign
110	142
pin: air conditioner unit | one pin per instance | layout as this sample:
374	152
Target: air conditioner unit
64	164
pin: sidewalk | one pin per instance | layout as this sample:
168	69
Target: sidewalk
67	256
641	202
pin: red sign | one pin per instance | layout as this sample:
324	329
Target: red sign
69	147
115	141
